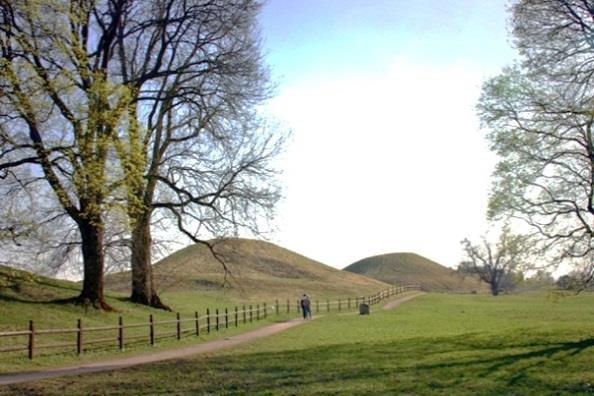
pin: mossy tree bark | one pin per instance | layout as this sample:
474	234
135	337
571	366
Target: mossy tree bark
93	262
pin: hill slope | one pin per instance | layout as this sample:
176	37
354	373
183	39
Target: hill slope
256	267
412	268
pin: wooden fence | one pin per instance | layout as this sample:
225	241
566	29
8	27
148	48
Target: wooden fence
213	321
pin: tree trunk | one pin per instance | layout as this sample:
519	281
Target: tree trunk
93	263
494	288
143	285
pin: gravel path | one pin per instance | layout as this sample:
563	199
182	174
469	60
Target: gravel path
115	364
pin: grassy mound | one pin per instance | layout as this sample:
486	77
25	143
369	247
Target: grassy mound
257	269
412	268
190	281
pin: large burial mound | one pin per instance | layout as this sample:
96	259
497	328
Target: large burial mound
256	268
403	268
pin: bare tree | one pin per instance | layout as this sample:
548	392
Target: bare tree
154	105
539	117
60	110
195	149
495	263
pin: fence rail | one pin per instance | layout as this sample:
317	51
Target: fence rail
210	322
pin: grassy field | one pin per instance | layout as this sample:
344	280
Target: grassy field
533	344
24	296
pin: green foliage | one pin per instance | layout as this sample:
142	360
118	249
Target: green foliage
435	344
538	116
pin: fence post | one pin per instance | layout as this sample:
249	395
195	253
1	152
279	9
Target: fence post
265	311
244	315
197	323
349	307
226	318
236	315
31	340
208	320
178	326
251	314
317	306
152	329
257	311
79	335
288	306
276	305
298	305
217	318
121	333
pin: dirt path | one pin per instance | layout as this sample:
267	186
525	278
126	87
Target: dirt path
114	364
14	378
394	303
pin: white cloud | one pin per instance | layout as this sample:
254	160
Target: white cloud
383	163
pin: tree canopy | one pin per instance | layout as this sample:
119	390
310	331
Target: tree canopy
125	108
539	118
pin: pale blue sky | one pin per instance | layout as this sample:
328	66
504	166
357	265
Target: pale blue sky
313	39
386	154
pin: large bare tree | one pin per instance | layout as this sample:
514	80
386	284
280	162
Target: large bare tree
140	105
60	110
195	149
539	116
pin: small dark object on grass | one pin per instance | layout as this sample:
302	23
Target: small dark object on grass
364	309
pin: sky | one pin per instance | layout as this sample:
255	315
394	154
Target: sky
387	154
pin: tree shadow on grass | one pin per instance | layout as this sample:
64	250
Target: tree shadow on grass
402	367
448	365
45	291
518	363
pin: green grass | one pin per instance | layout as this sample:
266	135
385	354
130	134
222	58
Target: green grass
24	296
414	269
259	270
435	344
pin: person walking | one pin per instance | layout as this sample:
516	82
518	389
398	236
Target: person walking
305	307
